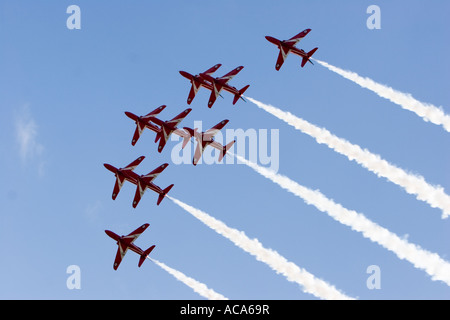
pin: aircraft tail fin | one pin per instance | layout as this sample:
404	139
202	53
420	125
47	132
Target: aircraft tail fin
145	255
163	194
239	95
225	149
308	56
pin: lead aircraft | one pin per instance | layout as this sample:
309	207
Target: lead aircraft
288	46
142	182
126	242
206	80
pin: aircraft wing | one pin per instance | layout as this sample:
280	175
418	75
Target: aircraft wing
162	137
210	133
140	190
216	145
172	122
211	70
182	133
132	236
214	94
176	120
194	89
137	133
152	175
295	39
121	251
154	112
281	57
118	185
198	153
231	74
134	164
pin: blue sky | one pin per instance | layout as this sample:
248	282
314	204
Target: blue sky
67	91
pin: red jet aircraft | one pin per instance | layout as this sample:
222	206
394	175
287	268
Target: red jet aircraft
126	242
142	182
197	82
287	46
205	139
165	129
205	79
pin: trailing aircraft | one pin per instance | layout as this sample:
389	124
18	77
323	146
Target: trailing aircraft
288	46
126	242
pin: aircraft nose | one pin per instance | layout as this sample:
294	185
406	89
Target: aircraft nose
272	40
110	167
130	115
109	233
185	74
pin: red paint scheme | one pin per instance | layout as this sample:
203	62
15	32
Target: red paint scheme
216	85
197	82
126	242
141	181
288	46
163	129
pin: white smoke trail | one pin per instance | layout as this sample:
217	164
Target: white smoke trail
198	287
292	272
427	111
432	263
413	184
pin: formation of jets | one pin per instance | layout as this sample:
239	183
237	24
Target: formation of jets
216	85
164	129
